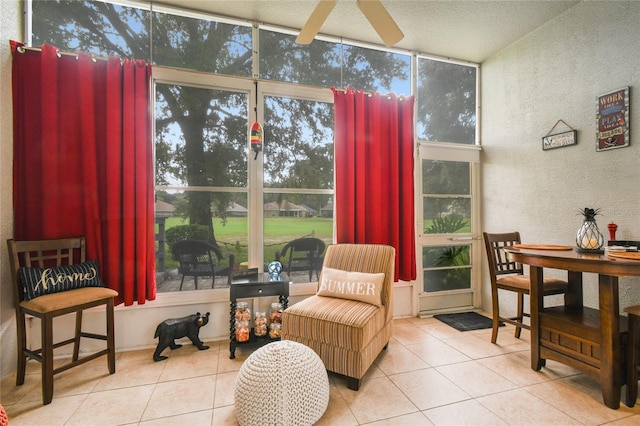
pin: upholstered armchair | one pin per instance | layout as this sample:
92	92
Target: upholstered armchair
349	321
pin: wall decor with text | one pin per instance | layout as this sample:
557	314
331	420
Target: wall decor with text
612	114
559	139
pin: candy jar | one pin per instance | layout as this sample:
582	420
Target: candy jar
274	330
242	331
243	313
276	313
260	324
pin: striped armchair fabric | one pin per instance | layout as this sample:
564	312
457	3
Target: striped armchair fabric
348	335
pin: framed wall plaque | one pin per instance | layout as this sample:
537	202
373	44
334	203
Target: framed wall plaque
559	140
612	115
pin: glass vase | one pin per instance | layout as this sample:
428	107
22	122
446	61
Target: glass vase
589	236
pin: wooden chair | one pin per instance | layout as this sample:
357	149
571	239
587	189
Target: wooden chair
303	254
633	354
508	275
46	254
197	260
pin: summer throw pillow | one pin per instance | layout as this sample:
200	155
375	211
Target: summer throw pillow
360	286
40	281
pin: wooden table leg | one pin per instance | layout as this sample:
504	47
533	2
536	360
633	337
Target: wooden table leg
573	297
536	298
610	356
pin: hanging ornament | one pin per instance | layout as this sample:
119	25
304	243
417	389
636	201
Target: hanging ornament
256	138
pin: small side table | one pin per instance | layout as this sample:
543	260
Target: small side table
260	285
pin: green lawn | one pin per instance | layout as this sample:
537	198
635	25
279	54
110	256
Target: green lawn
233	234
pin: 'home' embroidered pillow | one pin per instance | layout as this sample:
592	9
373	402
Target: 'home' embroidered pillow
360	286
40	281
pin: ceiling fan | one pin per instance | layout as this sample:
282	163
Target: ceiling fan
373	10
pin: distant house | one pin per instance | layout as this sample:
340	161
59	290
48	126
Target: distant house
309	211
288	209
236	210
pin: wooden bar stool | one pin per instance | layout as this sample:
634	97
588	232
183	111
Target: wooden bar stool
633	350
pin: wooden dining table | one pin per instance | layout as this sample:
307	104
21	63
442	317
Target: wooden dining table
589	340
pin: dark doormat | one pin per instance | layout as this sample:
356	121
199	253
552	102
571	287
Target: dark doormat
465	321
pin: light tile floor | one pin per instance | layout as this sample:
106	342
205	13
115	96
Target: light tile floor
431	374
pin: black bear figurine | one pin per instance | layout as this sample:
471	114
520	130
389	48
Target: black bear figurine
175	328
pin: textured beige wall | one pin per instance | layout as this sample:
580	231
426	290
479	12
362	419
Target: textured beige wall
556	73
10	29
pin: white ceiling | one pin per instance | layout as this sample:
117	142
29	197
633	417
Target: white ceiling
469	30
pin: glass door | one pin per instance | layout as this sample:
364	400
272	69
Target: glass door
449	244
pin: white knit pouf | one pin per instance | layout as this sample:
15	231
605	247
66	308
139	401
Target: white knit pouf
282	383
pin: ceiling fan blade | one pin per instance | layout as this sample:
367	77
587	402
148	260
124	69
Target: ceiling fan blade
381	21
315	21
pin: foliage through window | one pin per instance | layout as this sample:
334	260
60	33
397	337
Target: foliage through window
201	44
446	102
446	268
327	64
446	197
96	27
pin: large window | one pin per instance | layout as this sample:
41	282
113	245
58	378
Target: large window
298	173
212	80
209	89
201	171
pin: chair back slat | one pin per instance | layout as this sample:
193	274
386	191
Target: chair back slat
498	259
42	254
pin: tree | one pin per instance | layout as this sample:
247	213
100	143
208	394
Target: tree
446	102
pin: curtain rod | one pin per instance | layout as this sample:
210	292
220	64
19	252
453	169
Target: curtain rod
60	53
386	95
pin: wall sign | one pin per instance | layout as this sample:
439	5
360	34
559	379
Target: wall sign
558	140
612	114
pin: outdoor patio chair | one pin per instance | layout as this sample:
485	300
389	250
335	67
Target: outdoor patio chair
202	259
303	254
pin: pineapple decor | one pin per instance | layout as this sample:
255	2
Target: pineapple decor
589	237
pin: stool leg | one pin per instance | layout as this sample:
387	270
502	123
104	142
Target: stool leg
47	359
632	361
520	314
22	344
78	335
111	340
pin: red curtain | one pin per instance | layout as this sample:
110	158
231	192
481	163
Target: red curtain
83	161
374	173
